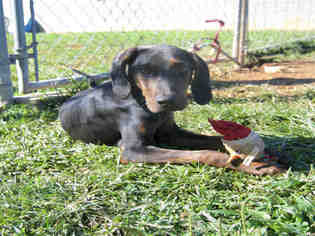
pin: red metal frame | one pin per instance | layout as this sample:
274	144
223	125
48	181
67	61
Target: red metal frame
214	43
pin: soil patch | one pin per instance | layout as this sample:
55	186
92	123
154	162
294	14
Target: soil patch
285	79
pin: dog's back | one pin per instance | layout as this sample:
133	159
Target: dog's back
84	118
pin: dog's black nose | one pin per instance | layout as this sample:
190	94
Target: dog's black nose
164	100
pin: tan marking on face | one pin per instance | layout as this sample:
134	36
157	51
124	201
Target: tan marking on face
142	128
149	90
173	61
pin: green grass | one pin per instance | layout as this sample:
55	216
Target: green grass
297	47
93	52
51	185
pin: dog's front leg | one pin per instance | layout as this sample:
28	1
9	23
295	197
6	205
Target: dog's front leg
151	154
172	135
135	146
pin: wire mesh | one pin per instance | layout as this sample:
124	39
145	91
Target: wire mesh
279	23
86	35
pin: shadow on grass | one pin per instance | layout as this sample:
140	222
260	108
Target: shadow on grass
299	47
275	82
46	109
297	153
267	97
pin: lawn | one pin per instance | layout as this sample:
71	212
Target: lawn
51	185
93	52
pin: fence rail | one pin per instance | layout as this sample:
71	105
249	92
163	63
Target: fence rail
6	93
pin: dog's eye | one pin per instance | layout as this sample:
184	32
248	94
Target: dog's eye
147	72
182	71
185	71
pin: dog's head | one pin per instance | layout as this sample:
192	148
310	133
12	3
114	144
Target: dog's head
162	74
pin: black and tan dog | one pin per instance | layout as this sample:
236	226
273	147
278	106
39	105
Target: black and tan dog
135	110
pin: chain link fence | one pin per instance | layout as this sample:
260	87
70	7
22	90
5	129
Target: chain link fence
274	24
86	35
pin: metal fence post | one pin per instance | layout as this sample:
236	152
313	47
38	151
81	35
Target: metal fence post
240	32
20	46
244	30
6	92
34	43
237	31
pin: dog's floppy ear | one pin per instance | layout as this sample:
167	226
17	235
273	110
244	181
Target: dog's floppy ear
121	86
200	85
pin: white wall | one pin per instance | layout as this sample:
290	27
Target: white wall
125	15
